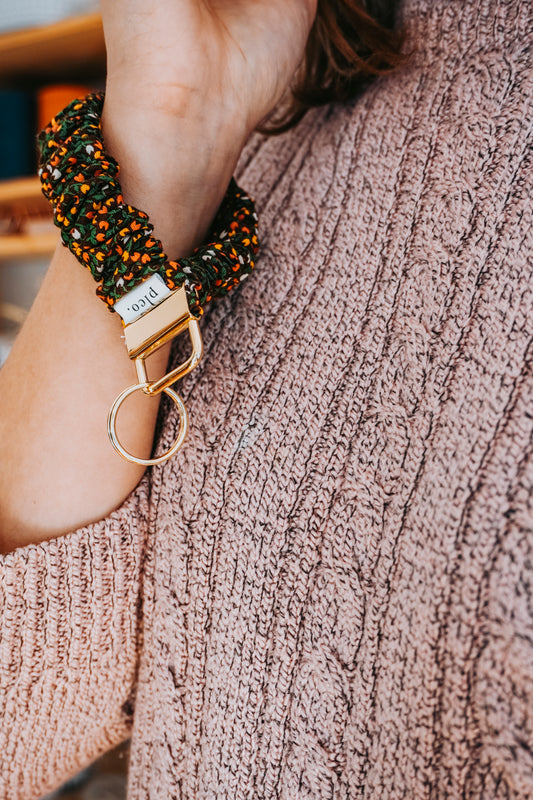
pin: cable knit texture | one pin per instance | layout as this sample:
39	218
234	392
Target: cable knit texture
328	593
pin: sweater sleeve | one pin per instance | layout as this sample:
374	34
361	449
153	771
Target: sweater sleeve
504	673
69	624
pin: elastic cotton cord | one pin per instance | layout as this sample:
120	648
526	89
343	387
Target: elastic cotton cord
114	240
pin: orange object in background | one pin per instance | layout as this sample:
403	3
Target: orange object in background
52	99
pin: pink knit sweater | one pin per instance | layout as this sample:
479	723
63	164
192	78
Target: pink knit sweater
329	592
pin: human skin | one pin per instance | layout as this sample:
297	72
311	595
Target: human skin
187	82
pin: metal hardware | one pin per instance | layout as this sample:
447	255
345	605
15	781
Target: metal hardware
143	337
163	323
155	387
121	450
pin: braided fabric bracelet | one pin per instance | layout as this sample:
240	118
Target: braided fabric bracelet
114	240
157	298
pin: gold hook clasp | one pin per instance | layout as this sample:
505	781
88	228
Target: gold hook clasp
143	337
164	322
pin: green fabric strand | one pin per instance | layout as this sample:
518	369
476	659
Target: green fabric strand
114	240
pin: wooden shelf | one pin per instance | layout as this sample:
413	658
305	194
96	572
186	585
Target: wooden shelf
22	197
13	313
74	46
24	245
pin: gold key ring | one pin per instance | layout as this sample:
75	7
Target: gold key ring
143	337
112	426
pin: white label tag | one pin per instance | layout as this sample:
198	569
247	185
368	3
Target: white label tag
141	299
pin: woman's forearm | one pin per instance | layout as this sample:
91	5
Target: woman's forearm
57	468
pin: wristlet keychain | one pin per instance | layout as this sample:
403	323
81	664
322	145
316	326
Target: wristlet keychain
157	299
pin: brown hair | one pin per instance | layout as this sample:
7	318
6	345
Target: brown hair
351	41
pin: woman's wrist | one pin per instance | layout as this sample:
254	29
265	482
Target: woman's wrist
176	161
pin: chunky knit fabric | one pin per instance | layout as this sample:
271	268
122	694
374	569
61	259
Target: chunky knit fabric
330	594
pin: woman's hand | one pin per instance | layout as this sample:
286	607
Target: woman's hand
213	58
187	82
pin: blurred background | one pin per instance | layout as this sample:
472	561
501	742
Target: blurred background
50	53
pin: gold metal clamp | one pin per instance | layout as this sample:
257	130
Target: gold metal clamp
144	336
